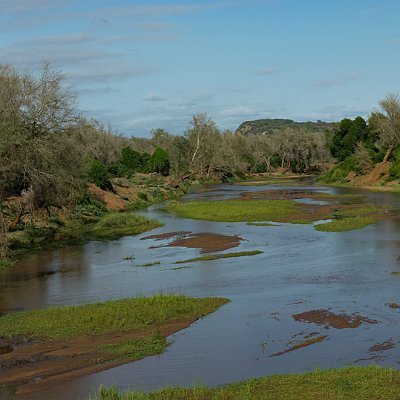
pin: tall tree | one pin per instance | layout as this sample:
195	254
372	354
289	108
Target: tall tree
389	125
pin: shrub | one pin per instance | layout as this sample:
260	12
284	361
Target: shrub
99	175
159	162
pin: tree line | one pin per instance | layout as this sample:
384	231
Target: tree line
49	152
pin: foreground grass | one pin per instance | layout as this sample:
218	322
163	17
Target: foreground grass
109	317
360	383
235	211
218	256
136	348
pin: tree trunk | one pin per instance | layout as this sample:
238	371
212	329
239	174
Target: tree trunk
388	153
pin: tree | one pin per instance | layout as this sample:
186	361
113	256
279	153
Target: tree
346	137
389	125
159	162
131	159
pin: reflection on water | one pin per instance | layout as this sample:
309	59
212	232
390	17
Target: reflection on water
300	271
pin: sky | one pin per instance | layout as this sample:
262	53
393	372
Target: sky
142	65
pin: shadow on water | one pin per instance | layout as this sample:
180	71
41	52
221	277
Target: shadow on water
285	302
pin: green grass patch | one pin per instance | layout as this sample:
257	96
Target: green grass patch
218	256
261	224
361	383
148	264
235	211
345	224
115	225
6	263
136	348
108	317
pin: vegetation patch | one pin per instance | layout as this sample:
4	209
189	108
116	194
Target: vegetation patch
261	224
115	225
103	318
218	256
136	348
235	211
345	224
362	383
69	342
149	264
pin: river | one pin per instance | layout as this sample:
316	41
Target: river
350	274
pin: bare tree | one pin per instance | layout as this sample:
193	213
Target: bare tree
389	125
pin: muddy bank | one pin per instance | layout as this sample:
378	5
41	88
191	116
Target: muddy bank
329	319
36	364
206	242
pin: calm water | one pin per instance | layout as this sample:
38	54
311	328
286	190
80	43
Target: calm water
300	270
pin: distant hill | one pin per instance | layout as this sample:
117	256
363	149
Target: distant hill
268	126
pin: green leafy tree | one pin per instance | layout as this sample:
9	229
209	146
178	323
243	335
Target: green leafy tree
347	136
99	175
159	161
131	159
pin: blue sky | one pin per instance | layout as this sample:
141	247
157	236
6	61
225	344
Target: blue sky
141	65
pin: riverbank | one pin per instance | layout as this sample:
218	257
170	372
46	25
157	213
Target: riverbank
41	348
98	215
362	383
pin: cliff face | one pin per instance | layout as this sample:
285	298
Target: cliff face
268	126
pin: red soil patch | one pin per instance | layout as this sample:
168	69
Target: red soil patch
379	173
306	343
207	242
330	319
383	346
109	199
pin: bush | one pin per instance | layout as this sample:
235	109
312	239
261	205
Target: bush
394	172
159	162
99	175
87	206
341	170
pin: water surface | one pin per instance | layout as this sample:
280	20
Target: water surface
301	270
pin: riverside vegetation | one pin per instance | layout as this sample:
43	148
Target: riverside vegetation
363	383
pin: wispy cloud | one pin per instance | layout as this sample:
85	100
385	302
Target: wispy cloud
265	71
239	111
26	6
334	113
393	41
337	80
154	97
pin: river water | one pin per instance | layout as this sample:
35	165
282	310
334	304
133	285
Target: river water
301	270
